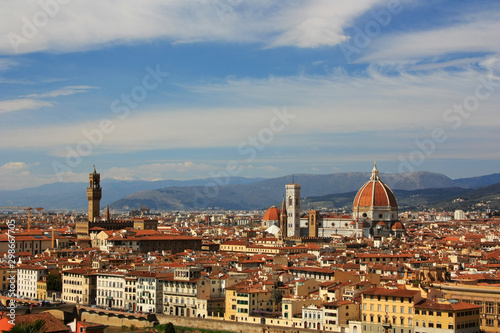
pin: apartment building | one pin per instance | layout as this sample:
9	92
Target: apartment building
149	291
389	309
79	286
27	279
111	289
439	316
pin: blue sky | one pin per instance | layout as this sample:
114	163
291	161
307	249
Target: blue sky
190	89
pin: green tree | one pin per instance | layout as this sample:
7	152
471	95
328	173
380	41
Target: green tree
276	297
54	282
33	327
169	328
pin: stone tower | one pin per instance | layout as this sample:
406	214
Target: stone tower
293	209
94	193
313	223
283	221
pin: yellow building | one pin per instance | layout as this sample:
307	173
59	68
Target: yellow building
79	286
487	297
243	301
4	276
388	309
41	289
433	316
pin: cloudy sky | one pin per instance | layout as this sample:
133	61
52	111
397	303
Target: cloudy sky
183	89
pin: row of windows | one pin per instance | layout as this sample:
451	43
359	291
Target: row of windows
109	293
386	308
450	325
109	284
312	315
450	314
72	291
386	298
73	282
386	320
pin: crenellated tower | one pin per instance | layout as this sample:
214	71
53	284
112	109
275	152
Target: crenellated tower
94	194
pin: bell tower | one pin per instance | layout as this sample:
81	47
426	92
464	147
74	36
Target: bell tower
293	209
94	193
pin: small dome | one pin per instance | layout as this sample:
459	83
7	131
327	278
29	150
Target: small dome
374	193
272	214
398	226
273	230
382	224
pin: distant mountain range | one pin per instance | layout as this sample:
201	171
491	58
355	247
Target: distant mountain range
264	193
246	193
446	199
74	195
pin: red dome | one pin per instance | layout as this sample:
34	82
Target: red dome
272	214
374	193
398	226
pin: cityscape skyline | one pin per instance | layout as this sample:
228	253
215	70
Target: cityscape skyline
187	90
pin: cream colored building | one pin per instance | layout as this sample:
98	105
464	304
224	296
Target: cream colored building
79	286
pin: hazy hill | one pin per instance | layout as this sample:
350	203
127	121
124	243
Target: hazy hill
262	194
448	199
74	195
242	193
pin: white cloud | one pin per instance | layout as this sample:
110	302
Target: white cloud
7	63
376	102
80	25
17	175
64	91
22	104
34	101
471	34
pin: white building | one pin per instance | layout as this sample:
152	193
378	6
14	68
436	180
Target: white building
111	290
459	215
312	317
149	292
27	278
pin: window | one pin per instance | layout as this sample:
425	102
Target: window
450	326
417	312
402	309
438	314
438	324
